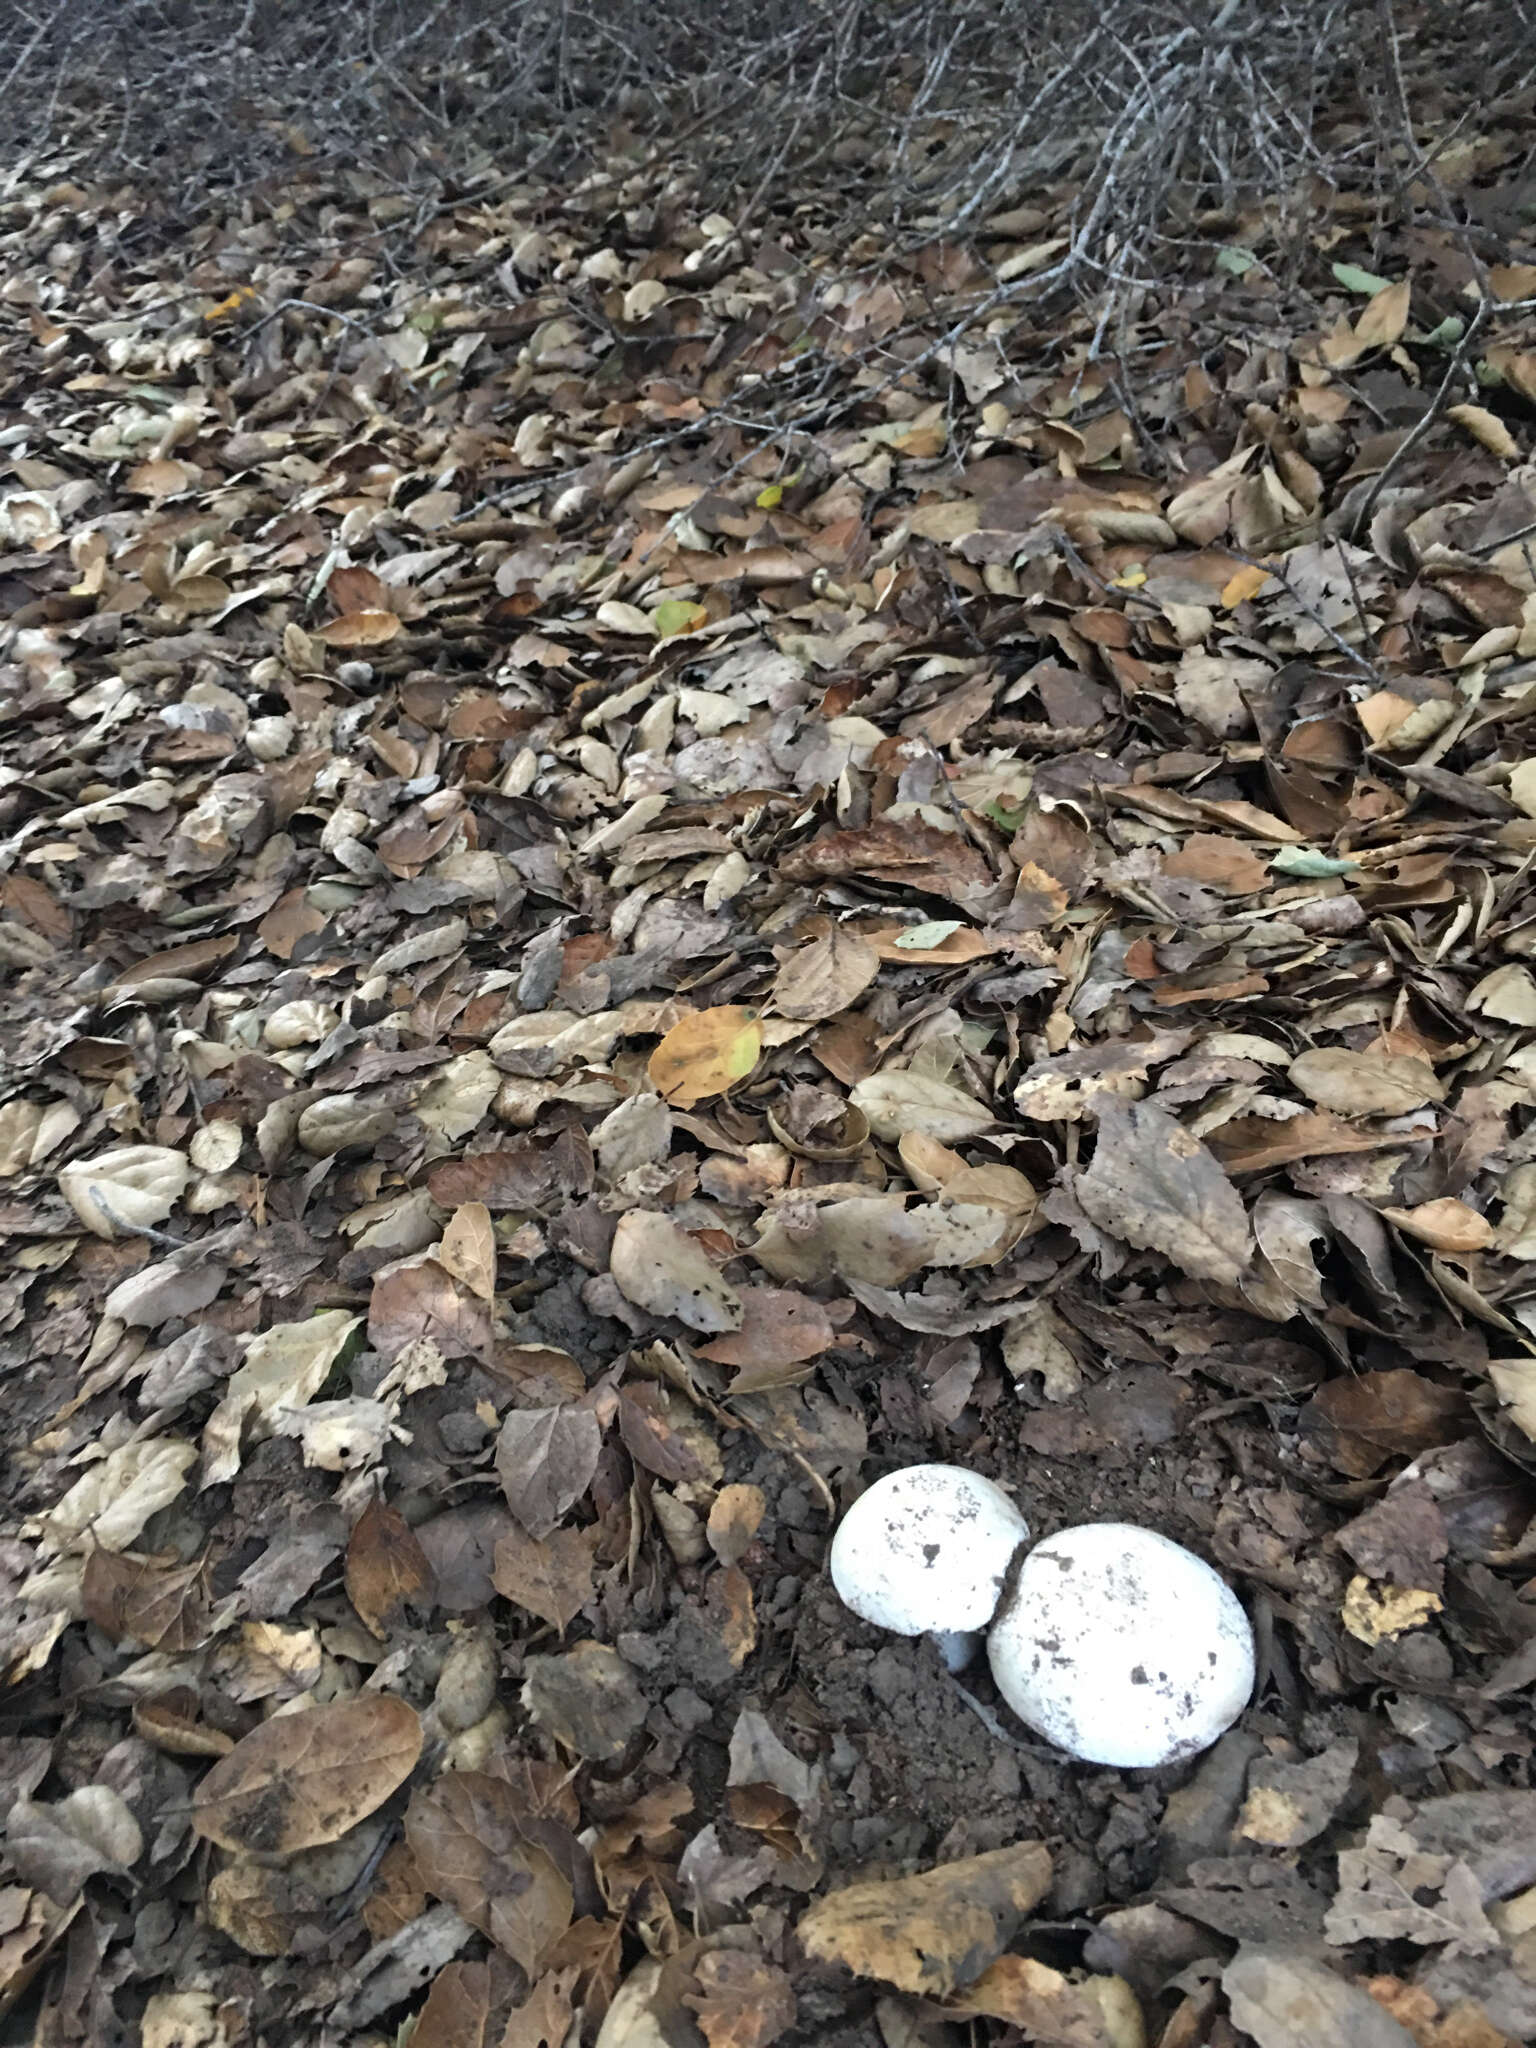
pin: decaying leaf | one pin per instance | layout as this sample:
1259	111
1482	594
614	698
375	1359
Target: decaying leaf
933	1932
551	1578
826	975
742	2000
284	1368
1365	1083
386	1567
545	1458
307	1777
1158	1188
1087	2012
477	1847
661	1268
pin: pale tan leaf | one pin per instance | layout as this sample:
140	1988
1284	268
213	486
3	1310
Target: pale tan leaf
468	1249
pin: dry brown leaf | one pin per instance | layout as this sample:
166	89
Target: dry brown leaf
778	1327
552	1577
164	1607
1446	1224
545	1458
742	2001
663	1269
1383	319
306	1778
477	1847
1365	1083
1160	1189
386	1568
734	1520
360	629
821	979
933	1932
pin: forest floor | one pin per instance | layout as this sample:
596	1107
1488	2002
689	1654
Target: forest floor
649	866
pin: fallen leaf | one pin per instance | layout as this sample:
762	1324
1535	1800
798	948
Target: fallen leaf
662	1269
1380	1614
1053	2009
1287	1999
1154	1185
1357	1423
307	1777
1392	1889
1365	1083
934	1932
545	1458
470	1837
468	1249
778	1328
125	1190
163	1607
1447	1225
386	1568
284	1368
586	1699
821	979
551	1578
734	1520
898	1101
360	629
706	1053
742	2001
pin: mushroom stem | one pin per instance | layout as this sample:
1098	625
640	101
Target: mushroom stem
957	1646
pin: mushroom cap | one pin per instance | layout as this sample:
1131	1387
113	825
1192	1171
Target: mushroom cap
1122	1647
926	1549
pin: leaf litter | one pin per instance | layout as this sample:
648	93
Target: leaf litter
587	970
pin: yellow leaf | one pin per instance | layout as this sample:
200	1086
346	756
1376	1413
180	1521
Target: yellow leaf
1244	584
706	1054
1487	428
1376	1614
768	497
1384	319
240	296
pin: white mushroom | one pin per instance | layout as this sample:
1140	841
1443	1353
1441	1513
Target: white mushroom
925	1552
1122	1648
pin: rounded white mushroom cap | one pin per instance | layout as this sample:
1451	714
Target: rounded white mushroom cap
926	1550
1122	1648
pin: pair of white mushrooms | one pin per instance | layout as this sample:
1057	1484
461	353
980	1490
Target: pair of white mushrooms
1115	1644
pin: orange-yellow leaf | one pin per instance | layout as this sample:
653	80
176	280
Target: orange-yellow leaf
706	1054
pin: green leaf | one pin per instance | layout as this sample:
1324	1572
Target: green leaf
1309	864
921	938
1005	819
1354	279
676	615
1448	333
1238	262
